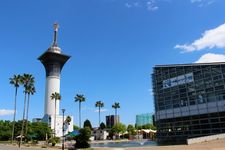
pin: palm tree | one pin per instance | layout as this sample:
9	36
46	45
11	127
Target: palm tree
79	98
27	80
15	81
68	119
99	104
29	90
55	96
116	106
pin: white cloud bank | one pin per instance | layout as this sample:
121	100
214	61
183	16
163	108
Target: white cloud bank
101	110
211	57
150	5
4	112
196	1
202	3
213	38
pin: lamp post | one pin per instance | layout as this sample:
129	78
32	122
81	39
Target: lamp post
63	111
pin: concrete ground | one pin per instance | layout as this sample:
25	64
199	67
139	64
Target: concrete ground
212	145
9	147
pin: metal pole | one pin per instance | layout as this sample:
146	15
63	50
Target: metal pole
63	111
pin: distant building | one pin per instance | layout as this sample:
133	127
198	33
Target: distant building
144	119
37	120
189	101
111	120
99	134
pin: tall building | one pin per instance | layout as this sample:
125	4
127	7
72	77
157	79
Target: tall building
53	61
144	119
189	101
111	120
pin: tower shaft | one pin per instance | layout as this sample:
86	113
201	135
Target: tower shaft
53	63
52	85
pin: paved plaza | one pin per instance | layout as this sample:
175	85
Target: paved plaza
8	147
212	145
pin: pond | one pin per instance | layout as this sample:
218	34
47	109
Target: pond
134	143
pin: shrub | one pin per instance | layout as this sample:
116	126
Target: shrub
83	138
54	140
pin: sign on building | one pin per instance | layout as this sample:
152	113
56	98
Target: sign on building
182	79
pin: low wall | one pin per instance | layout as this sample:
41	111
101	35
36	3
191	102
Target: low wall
205	138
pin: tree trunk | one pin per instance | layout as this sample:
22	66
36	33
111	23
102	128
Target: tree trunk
28	102
24	109
99	115
14	116
80	114
116	115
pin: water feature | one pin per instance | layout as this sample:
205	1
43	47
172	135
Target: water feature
132	143
141	141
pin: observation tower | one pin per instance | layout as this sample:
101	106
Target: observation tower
53	60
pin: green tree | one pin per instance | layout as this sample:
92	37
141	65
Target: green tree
102	126
27	80
18	126
15	81
55	96
131	129
99	104
5	130
116	106
75	127
29	90
148	126
118	128
87	123
83	138
79	98
38	130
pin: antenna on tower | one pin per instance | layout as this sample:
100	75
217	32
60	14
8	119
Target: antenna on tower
56	27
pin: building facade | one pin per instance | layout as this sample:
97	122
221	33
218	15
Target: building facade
111	120
144	119
189	101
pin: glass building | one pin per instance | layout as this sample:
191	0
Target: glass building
144	119
189	101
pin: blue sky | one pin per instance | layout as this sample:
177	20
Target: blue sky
114	45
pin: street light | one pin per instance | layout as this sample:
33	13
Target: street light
63	111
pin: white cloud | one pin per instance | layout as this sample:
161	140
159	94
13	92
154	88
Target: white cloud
87	108
136	4
202	3
151	6
5	112
196	1
101	110
128	5
133	4
213	38
151	91
211	57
